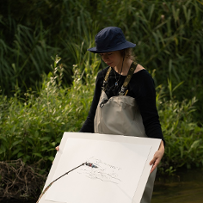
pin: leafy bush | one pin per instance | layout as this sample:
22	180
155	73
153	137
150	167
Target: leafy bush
168	34
183	136
31	128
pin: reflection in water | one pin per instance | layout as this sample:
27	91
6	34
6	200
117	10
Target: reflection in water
185	188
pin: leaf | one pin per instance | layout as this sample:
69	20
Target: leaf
194	145
37	154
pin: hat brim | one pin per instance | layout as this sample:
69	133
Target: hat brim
124	45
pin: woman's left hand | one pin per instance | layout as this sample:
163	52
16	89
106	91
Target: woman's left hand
157	157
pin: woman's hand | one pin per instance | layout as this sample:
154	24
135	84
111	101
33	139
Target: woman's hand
157	157
57	149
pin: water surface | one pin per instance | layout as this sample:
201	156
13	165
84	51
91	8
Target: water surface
187	187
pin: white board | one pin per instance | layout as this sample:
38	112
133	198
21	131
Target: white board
121	174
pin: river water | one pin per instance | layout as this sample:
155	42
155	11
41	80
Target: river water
187	187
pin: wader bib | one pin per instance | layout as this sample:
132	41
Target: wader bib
120	115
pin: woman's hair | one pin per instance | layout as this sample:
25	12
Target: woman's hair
127	53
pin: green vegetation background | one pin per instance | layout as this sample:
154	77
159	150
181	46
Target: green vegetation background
47	76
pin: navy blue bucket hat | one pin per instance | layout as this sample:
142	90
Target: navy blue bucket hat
110	39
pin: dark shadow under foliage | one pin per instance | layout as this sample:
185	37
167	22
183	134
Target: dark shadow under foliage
19	181
12	200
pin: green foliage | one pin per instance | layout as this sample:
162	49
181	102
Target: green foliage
183	136
40	106
31	128
26	60
168	34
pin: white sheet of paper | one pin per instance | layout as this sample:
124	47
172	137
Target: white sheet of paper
103	183
120	166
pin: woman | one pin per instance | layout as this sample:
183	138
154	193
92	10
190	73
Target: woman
124	100
127	110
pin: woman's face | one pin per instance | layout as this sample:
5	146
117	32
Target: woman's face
112	59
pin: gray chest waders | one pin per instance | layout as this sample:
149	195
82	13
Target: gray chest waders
119	115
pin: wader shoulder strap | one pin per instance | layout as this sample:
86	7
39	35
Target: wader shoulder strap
105	81
124	89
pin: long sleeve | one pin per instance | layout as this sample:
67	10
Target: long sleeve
145	96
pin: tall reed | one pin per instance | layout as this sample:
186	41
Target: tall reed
168	37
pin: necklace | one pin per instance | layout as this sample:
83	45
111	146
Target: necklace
116	83
117	80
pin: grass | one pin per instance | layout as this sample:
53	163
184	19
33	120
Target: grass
168	35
